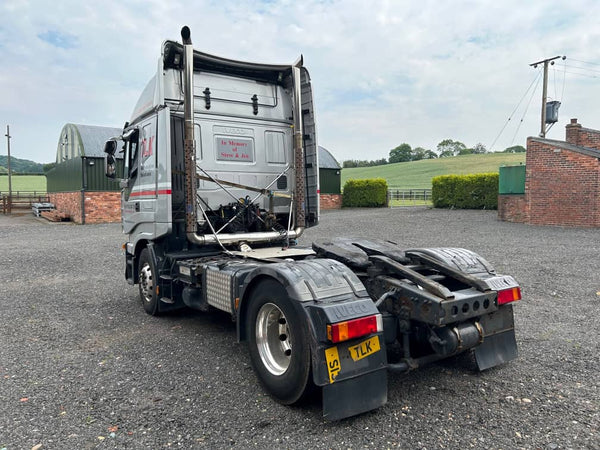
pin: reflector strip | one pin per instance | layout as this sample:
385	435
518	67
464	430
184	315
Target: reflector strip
509	295
350	329
150	193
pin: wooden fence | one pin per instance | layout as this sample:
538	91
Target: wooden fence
21	200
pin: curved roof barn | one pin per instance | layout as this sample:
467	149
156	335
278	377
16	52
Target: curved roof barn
83	140
326	160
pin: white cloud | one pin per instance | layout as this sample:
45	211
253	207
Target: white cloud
384	72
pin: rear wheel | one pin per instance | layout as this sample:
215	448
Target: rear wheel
147	280
278	343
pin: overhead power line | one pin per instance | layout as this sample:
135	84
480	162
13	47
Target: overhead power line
585	69
525	112
536	78
584	62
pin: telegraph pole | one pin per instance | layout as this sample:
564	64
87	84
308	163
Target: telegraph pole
545	89
8	136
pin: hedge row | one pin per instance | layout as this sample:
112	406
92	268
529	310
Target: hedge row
370	193
478	191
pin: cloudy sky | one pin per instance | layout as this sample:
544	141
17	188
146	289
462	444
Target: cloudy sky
384	72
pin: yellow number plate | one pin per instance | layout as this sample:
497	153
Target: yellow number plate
333	363
365	348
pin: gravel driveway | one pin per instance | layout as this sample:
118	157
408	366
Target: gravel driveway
82	365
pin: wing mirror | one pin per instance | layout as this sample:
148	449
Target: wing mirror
110	164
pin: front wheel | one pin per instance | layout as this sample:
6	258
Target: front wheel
147	280
278	343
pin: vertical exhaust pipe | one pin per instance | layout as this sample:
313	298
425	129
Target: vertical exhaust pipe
300	190
189	146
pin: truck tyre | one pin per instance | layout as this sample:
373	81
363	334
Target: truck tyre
147	280
278	343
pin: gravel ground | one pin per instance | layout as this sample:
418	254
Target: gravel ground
82	366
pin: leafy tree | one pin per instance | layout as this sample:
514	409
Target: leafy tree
465	151
418	153
48	167
363	163
448	147
479	149
430	154
514	149
402	153
18	165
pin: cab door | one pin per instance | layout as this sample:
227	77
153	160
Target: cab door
139	195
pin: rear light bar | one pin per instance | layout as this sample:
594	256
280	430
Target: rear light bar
350	329
509	295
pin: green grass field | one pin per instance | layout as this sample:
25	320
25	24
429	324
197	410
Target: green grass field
418	174
24	183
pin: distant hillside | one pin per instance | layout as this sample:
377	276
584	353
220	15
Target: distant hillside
418	174
20	165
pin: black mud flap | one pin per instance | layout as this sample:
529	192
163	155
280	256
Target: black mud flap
355	395
496	350
499	343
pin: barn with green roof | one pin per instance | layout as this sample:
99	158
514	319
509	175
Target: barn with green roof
77	185
330	180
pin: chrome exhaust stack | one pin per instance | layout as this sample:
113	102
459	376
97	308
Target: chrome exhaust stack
300	189
189	145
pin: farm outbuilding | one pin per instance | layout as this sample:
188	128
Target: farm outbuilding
77	186
330	180
561	183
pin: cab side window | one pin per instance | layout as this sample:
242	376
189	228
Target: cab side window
133	145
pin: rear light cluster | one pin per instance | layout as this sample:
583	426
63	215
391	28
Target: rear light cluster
509	295
350	329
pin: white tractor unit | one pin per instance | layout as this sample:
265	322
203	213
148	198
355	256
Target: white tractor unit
220	179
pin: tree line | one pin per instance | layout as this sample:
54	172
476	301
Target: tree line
446	148
18	165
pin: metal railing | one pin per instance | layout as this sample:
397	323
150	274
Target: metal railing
408	197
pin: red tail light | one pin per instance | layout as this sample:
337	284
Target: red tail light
350	329
509	295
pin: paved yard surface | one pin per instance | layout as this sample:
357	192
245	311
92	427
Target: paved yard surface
82	365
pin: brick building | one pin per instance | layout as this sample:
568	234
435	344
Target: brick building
77	186
330	180
562	181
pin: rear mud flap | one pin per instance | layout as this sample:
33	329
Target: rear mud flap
496	349
355	395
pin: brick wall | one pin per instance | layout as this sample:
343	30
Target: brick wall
100	207
562	182
331	201
68	203
513	208
562	187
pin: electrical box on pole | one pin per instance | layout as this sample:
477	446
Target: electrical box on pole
552	112
554	108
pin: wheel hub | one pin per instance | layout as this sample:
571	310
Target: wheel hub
146	284
273	339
